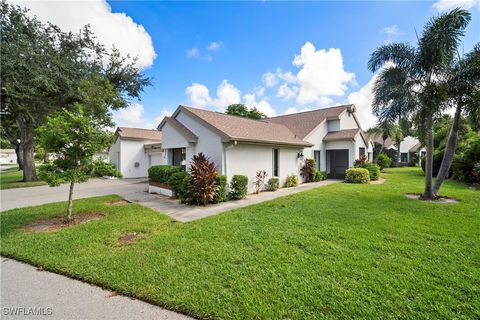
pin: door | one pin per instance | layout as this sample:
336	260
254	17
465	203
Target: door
338	160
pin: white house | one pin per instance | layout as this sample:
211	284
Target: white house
277	145
135	150
8	156
409	147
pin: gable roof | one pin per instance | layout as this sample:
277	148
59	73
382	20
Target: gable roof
184	131
416	147
302	123
138	134
235	128
377	138
341	134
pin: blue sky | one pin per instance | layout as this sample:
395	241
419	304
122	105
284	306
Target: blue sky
279	56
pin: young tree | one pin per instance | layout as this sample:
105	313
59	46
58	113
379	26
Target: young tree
75	136
41	71
410	79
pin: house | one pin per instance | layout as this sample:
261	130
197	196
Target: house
8	156
410	148
277	145
135	150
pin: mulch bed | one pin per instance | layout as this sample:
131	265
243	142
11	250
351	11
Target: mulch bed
120	202
59	223
443	200
129	238
379	181
160	185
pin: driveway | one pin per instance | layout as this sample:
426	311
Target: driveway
31	294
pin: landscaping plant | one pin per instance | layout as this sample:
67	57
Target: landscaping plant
176	182
221	194
259	182
373	169
202	180
238	187
384	161
162	173
357	175
273	184
105	169
291	181
320	176
308	170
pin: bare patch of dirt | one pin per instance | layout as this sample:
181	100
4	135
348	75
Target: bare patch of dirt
129	238
379	181
439	200
119	202
59	223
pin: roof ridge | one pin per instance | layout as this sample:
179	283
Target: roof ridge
136	128
314	110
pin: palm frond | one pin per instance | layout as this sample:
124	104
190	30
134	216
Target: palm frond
401	54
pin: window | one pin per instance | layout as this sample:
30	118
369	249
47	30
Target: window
404	157
316	156
178	156
276	153
361	152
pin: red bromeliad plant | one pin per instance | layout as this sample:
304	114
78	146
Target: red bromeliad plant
203	174
308	170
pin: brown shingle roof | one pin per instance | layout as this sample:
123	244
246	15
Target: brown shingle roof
184	131
303	123
416	147
138	134
377	138
341	135
247	130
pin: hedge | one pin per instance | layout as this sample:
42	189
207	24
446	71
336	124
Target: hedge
357	175
162	173
238	187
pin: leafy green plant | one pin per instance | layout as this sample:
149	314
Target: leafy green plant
308	170
319	176
221	194
273	184
238	187
162	173
176	182
360	161
357	175
384	161
291	181
105	169
259	183
202	180
373	169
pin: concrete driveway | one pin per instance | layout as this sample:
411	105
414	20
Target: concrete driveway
32	196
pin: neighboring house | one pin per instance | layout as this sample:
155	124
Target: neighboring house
135	150
8	156
410	148
277	145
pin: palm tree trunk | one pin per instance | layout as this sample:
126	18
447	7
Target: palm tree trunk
449	152
399	153
428	192
70	202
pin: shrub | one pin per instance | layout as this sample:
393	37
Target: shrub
360	161
373	169
308	170
291	181
177	183
221	194
273	184
238	187
357	175
202	180
384	161
320	176
413	160
162	173
465	164
105	169
259	182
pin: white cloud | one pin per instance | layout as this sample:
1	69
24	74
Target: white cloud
215	45
192	52
392	32
270	79
259	91
132	116
110	28
286	92
295	110
165	113
443	5
250	100
322	75
363	99
227	94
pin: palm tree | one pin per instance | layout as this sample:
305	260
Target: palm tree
410	79
386	130
464	91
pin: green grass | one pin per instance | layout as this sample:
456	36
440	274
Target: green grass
342	251
12	178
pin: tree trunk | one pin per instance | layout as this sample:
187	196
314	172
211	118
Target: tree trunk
399	154
17	146
70	202
428	193
449	151
27	140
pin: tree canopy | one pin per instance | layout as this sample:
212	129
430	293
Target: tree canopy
242	111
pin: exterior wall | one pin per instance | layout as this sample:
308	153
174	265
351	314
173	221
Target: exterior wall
316	138
154	159
132	152
247	159
208	142
113	154
347	121
359	143
8	156
333	125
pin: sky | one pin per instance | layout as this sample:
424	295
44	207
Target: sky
280	57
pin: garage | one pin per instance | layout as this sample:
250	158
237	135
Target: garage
337	163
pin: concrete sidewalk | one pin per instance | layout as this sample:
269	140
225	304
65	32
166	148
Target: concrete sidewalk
51	296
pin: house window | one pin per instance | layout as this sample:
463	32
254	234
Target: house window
276	154
316	157
404	157
361	151
178	156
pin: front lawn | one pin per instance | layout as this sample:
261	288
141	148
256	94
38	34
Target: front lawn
12	178
340	251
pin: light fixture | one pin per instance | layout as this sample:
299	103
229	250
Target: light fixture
300	155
